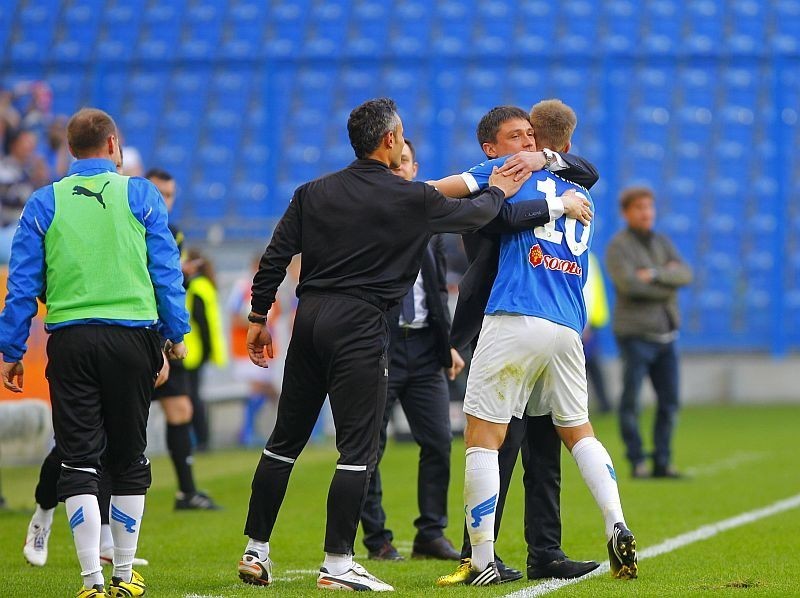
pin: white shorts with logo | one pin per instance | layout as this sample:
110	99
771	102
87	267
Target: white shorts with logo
527	365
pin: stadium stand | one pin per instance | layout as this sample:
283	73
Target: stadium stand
244	100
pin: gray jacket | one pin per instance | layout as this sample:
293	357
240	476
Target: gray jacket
646	309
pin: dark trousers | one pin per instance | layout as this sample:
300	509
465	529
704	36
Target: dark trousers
417	381
199	411
659	361
101	379
541	460
338	348
594	371
46	493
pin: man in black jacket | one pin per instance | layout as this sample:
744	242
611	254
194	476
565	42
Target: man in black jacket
363	232
506	130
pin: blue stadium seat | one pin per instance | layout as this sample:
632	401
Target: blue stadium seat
409	30
119	34
37	17
742	86
206	200
621	27
70	91
249	200
81	15
578	27
539	19
368	29
655	85
155	49
28	51
703	21
698	87
664	26
716	316
230	89
180	121
787	22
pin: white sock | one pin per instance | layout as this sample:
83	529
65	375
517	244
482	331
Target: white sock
337	564
481	488
43	517
126	520
598	473
260	548
83	514
106	539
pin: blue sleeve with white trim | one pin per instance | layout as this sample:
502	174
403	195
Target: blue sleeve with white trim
163	259
477	177
25	274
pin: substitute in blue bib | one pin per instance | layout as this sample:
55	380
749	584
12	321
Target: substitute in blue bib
96	248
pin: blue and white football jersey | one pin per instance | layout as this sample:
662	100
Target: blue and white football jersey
542	271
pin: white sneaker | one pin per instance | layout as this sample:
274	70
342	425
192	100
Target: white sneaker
107	558
35	549
254	571
355	579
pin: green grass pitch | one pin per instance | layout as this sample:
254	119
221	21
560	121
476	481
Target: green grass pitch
741	458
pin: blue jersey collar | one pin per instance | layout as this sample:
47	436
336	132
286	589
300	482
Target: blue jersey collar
81	166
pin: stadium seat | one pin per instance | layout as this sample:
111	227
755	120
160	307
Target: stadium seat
69	91
367	30
655	85
621	27
206	200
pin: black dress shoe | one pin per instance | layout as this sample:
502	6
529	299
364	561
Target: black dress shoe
562	569
507	573
441	548
387	552
661	471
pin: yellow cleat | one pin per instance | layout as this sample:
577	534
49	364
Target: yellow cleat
123	589
458	577
96	591
466	575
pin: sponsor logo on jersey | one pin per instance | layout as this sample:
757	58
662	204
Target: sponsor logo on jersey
537	258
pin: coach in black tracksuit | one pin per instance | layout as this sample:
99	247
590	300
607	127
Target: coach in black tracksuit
362	232
541	453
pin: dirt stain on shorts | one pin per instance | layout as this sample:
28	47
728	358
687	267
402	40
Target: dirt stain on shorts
510	374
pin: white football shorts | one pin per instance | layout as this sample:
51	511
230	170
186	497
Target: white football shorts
527	365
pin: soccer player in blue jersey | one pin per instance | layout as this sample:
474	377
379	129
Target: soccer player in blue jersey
529	359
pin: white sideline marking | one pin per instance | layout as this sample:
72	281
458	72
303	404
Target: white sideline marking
668	545
296	574
731	462
202	596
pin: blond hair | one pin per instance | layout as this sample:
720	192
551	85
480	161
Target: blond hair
553	123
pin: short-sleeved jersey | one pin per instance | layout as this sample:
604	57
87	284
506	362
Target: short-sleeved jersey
542	271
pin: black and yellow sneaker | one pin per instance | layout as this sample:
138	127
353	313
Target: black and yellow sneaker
96	591
622	553
134	587
466	575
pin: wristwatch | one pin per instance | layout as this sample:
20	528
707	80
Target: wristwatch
549	158
256	319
